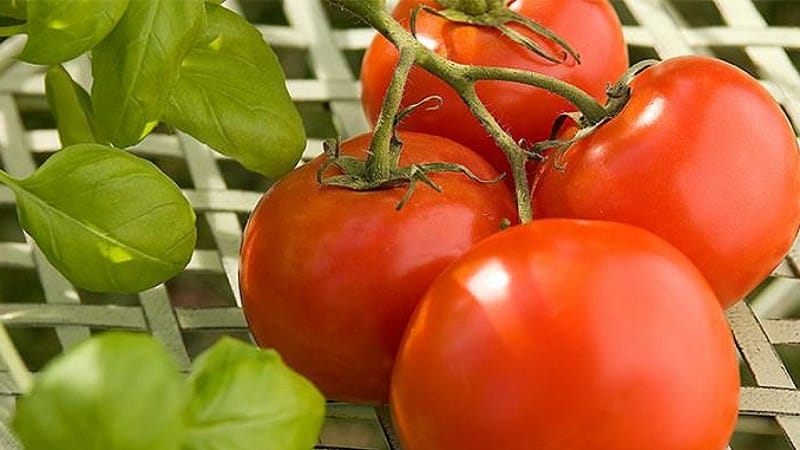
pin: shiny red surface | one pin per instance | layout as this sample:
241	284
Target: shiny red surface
564	334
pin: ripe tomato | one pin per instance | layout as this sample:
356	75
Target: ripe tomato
330	276
702	156
591	27
565	334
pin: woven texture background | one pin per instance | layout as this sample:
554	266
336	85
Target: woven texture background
321	49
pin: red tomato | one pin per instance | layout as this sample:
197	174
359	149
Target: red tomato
701	156
591	27
330	276
564	335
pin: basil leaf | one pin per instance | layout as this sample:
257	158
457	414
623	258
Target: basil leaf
59	30
71	107
107	220
244	398
16	9
232	95
117	391
137	65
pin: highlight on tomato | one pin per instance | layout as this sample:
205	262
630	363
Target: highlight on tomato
590	28
702	156
329	276
566	334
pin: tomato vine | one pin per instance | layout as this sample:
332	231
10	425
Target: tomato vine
594	119
463	79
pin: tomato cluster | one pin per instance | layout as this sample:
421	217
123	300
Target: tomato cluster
600	324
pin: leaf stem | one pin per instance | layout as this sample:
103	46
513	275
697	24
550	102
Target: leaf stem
19	372
11	30
383	156
8	180
462	78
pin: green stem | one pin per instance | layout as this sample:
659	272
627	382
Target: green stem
11	30
8	180
516	157
472	7
383	157
19	372
591	109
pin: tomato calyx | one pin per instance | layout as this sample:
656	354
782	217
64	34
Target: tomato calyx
473	7
359	175
617	95
620	92
496	14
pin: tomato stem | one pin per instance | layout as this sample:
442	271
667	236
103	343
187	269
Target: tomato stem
19	372
590	108
472	7
381	169
516	157
383	155
496	14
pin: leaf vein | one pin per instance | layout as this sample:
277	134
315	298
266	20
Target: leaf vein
216	119
101	236
128	89
228	423
238	100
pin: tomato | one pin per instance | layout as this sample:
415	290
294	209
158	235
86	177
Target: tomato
330	276
566	334
702	156
591	27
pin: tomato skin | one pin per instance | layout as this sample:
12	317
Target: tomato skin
330	276
565	334
703	157
590	26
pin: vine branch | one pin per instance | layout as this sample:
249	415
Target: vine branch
463	78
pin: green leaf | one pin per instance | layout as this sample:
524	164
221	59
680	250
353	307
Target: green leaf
107	220
71	106
117	391
244	398
60	30
232	95
137	65
16	9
